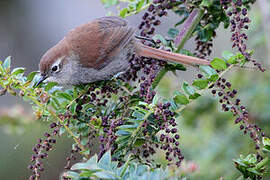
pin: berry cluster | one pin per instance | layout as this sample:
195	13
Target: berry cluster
41	150
203	48
170	136
229	102
157	9
239	22
107	139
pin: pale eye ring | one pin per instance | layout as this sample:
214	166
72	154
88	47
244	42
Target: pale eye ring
54	68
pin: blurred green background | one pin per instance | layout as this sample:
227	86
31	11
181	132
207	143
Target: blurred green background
210	140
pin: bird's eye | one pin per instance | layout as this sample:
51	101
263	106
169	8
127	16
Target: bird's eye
54	68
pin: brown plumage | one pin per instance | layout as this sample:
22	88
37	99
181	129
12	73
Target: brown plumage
99	49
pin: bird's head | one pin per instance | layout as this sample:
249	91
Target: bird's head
53	62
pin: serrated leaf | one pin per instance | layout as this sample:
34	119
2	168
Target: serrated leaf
200	83
17	71
218	64
181	98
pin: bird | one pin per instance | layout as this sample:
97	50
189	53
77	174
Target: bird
97	51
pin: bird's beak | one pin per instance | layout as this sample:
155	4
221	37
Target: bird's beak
42	78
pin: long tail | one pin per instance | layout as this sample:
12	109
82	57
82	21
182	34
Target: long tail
146	51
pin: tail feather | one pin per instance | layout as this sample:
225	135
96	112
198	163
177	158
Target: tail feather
146	51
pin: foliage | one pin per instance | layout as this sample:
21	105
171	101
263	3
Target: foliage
105	168
129	118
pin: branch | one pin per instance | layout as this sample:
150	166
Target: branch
184	35
188	28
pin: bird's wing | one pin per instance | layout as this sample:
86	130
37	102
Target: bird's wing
96	42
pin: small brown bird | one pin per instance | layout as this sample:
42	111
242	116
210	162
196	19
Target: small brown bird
98	50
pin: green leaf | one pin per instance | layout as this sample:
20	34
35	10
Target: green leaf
6	64
194	96
17	71
85	166
73	107
218	64
186	52
139	142
64	95
174	67
50	85
71	174
109	3
11	91
188	89
106	175
123	12
105	161
266	144
31	75
128	128
232	60
213	78
208	71
62	130
267	149
180	98
206	3
173	32
266	141
200	83
122	133
139	5
227	55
